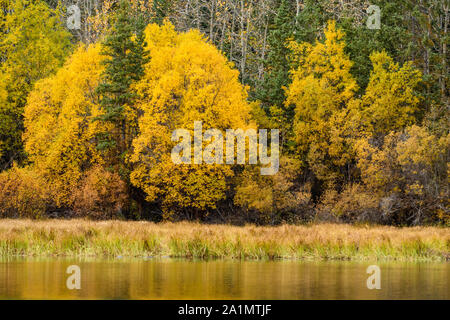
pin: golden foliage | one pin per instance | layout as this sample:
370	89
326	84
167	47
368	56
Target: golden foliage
101	194
361	147
33	45
390	100
23	193
330	118
272	195
411	165
59	122
186	80
353	203
321	88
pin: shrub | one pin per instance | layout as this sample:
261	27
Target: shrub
276	197
410	171
23	193
352	204
101	195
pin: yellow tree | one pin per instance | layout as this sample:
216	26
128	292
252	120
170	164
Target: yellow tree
33	45
59	131
400	167
409	173
273	197
390	101
186	80
321	89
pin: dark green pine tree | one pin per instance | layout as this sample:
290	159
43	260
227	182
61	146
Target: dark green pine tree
393	37
124	47
277	65
311	21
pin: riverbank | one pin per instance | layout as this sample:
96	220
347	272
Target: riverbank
194	240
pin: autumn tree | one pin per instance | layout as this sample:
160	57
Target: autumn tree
408	173
391	100
33	44
59	126
186	80
322	87
24	194
364	114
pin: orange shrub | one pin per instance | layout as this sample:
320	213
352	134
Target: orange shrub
275	198
353	203
23	193
101	194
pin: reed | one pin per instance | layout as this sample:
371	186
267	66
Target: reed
195	240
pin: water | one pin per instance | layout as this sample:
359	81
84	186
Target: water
183	279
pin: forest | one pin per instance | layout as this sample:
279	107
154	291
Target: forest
87	109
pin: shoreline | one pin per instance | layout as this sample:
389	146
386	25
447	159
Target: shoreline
315	242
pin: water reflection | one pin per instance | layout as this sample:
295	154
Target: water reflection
181	279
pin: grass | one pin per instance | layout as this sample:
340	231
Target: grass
83	238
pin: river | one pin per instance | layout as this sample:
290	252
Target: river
163	278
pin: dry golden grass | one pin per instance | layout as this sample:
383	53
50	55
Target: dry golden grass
195	240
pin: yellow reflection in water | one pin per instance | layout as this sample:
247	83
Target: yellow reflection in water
182	279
